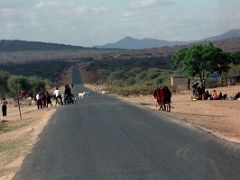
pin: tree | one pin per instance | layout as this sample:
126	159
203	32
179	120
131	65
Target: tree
236	57
202	60
3	82
16	83
37	84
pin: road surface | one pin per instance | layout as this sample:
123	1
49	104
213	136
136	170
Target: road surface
103	138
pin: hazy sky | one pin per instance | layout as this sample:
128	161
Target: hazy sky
94	22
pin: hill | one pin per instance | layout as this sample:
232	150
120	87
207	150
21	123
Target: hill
19	45
132	43
228	35
147	43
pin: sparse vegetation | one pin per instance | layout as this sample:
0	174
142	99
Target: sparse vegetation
130	76
33	76
45	69
202	60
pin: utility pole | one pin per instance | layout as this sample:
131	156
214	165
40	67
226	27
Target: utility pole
18	100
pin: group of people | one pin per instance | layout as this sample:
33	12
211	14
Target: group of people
220	96
67	97
163	96
44	99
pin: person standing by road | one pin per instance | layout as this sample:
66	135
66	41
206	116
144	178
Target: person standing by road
4	108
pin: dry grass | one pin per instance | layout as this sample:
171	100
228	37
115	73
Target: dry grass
19	136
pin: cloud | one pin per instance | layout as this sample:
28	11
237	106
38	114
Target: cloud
6	12
90	10
128	14
11	25
99	9
45	4
142	3
149	3
81	10
12	3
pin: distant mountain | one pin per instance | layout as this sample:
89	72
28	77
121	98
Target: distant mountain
147	43
228	35
18	45
132	43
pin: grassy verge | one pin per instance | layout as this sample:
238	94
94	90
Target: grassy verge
8	126
11	150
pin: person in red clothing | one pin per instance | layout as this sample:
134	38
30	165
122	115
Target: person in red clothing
159	94
43	99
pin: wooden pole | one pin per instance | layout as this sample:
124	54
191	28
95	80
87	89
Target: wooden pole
19	108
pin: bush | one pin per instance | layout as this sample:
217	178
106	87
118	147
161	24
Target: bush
132	76
37	84
16	83
4	76
29	84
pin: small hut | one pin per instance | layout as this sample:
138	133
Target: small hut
180	83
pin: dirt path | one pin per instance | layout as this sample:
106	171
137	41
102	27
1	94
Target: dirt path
23	134
17	143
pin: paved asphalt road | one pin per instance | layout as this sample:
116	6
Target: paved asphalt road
102	138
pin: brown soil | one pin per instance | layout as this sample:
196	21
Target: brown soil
220	117
24	137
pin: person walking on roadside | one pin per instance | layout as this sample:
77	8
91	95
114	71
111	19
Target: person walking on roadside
68	96
4	108
38	100
158	94
43	99
58	96
48	98
167	99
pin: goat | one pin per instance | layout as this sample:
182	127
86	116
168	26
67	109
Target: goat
83	94
104	92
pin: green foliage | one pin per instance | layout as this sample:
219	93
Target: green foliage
45	69
24	76
16	83
144	82
29	84
201	60
236	57
4	76
132	75
37	84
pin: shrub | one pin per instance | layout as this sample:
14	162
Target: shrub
37	84
4	76
29	84
16	83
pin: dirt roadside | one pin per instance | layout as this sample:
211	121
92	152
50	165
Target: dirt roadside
18	137
220	118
